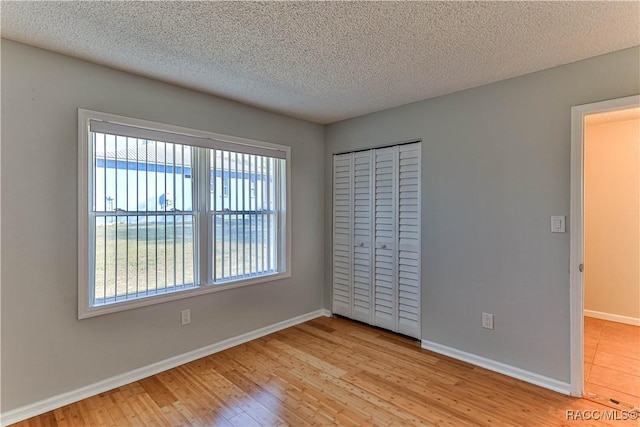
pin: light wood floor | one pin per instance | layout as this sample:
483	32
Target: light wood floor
327	371
612	360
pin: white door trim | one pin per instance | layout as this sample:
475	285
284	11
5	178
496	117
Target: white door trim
576	230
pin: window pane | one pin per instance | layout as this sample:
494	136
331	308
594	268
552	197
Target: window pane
143	233
133	174
142	255
244	214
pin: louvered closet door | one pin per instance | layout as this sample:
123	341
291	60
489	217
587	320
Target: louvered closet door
362	236
342	234
409	239
385	238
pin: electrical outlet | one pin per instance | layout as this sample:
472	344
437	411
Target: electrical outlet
487	320
186	316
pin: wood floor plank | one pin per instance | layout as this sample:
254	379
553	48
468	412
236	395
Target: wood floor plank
257	386
617	362
157	391
112	407
332	371
388	392
614	379
356	414
195	396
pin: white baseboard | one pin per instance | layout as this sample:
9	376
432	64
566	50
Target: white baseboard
502	368
613	317
63	399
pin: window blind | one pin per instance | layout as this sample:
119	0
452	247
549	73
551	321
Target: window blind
179	138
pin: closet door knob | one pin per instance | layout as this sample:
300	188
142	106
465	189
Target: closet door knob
384	246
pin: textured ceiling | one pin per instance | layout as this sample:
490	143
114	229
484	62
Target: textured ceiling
326	61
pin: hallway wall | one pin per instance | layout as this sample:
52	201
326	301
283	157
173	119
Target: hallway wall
612	218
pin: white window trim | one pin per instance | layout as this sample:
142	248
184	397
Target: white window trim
205	139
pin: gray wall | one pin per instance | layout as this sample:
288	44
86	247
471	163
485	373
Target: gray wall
495	167
45	349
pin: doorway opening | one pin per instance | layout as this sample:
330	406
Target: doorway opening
605	252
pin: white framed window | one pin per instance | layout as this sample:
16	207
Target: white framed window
167	212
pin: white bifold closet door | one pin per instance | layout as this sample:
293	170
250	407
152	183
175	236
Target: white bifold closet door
385	299
342	235
409	239
362	235
376	237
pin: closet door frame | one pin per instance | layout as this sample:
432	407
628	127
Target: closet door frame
373	241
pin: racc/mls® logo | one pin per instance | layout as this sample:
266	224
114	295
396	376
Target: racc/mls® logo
601	415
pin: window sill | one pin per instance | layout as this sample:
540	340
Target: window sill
175	295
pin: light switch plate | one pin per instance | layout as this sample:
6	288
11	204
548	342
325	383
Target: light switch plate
558	224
